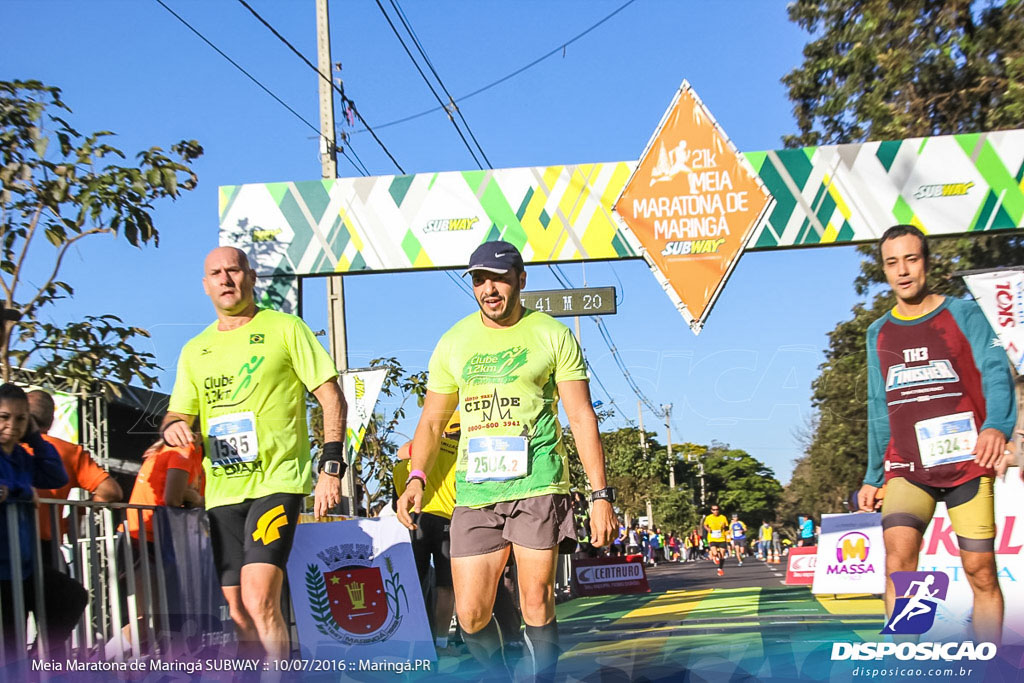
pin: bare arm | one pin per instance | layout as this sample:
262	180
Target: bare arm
109	491
174	488
575	396
176	429
330	398
328	487
437	410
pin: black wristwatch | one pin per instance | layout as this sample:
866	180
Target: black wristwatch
604	494
331	467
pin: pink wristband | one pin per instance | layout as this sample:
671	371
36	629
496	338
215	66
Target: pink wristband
418	474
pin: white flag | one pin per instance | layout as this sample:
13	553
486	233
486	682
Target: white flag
1001	297
361	389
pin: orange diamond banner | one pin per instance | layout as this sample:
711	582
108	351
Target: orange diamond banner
692	203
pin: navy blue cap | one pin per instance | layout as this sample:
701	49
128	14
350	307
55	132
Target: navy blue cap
496	257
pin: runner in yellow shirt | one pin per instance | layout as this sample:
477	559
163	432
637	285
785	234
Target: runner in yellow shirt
716	525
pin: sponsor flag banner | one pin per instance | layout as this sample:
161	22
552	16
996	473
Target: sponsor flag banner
1001	297
828	194
940	553
800	564
692	203
361	389
610	576
851	554
356	594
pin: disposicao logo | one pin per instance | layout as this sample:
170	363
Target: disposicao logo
917	597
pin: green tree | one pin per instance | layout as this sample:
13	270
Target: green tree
741	484
883	70
57	188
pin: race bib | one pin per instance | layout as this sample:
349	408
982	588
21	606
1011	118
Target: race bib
946	439
232	439
716	534
497	458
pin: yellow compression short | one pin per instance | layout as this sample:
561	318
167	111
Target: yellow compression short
971	508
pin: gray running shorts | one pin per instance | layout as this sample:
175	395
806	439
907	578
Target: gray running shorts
538	523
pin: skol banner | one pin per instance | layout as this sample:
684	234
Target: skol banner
692	202
940	553
1001	297
356	595
361	389
851	554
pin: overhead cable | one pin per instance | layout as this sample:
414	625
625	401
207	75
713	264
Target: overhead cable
430	65
327	77
253	79
515	73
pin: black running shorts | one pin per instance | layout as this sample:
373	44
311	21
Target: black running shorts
255	530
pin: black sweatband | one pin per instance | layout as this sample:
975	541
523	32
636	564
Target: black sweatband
164	428
333	450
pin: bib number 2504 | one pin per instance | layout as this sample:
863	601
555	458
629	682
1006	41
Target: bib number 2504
496	458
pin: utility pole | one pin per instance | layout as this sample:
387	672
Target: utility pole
640	421
671	463
643	445
329	169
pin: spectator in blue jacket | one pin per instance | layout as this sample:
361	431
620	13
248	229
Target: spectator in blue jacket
20	473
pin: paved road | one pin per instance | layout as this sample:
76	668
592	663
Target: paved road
744	626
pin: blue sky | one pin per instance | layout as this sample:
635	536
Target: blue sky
132	68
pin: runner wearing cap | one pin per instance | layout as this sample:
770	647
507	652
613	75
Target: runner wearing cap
940	408
716	525
506	367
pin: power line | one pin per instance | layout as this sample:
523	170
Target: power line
344	98
427	81
606	335
251	77
511	75
430	65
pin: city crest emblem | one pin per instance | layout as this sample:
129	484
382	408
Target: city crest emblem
358	602
352	601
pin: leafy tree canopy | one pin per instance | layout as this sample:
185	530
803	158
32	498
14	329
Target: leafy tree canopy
57	188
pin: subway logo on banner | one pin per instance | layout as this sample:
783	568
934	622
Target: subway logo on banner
692	247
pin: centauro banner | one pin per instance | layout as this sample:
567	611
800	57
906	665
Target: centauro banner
356	596
692	202
361	389
1001	297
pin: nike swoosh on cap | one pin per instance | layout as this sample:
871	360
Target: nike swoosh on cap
500	254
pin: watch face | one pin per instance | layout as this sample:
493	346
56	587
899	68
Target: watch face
332	467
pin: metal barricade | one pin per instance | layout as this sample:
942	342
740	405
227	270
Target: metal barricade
127	579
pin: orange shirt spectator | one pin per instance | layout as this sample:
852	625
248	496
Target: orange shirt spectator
169	476
83	472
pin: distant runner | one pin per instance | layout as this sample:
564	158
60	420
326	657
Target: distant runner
716	525
739	538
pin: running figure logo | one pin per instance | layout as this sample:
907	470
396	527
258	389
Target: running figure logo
917	597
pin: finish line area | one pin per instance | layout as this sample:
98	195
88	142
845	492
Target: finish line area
743	626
